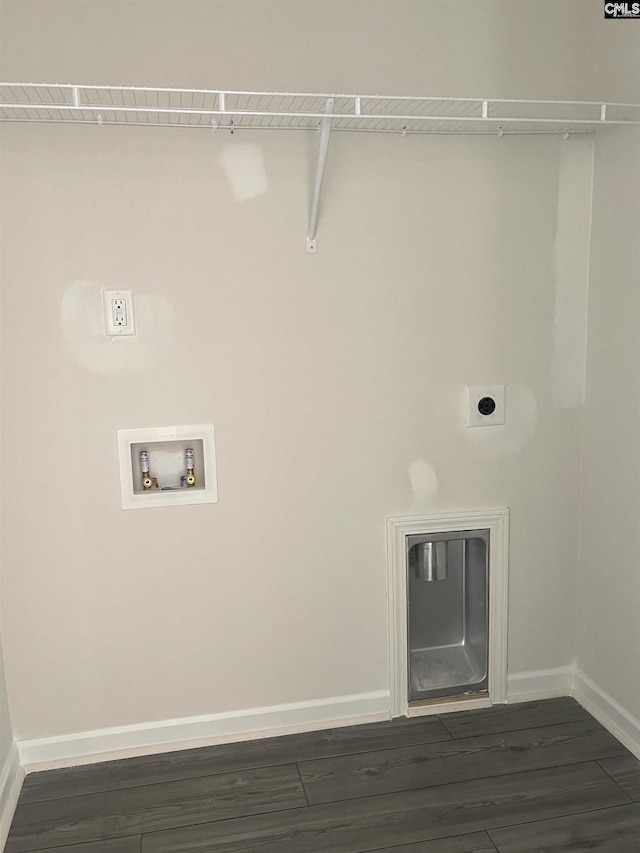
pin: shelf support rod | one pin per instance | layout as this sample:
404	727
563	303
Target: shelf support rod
325	133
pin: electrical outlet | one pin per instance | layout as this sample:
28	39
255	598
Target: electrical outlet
486	405
118	313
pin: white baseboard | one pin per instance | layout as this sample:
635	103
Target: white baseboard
11	778
192	732
540	684
622	725
571	681
187	733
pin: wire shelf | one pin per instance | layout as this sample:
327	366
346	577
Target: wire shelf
217	109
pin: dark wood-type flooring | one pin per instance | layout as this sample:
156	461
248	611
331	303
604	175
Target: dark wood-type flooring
540	776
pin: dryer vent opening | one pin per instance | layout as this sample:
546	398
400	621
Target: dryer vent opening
447	614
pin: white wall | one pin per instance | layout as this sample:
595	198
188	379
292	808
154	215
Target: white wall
10	772
334	382
608	628
465	47
6	733
608	623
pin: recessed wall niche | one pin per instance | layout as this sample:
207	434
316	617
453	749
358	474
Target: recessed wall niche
167	466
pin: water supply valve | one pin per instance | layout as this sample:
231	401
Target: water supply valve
190	479
147	481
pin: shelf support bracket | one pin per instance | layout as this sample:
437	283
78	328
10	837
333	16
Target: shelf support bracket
325	133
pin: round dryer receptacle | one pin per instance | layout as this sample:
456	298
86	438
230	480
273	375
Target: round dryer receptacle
486	406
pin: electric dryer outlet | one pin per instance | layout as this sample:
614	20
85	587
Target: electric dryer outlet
486	405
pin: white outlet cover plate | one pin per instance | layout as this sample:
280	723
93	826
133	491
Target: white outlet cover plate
110	329
499	396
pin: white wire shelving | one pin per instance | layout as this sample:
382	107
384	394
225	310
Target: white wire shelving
215	110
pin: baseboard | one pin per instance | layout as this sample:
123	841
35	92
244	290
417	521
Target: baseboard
11	778
187	733
571	681
540	684
192	732
622	725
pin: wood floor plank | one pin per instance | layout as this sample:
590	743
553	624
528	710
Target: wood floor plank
95	817
355	826
131	844
506	718
226	758
608	831
478	842
625	770
426	765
